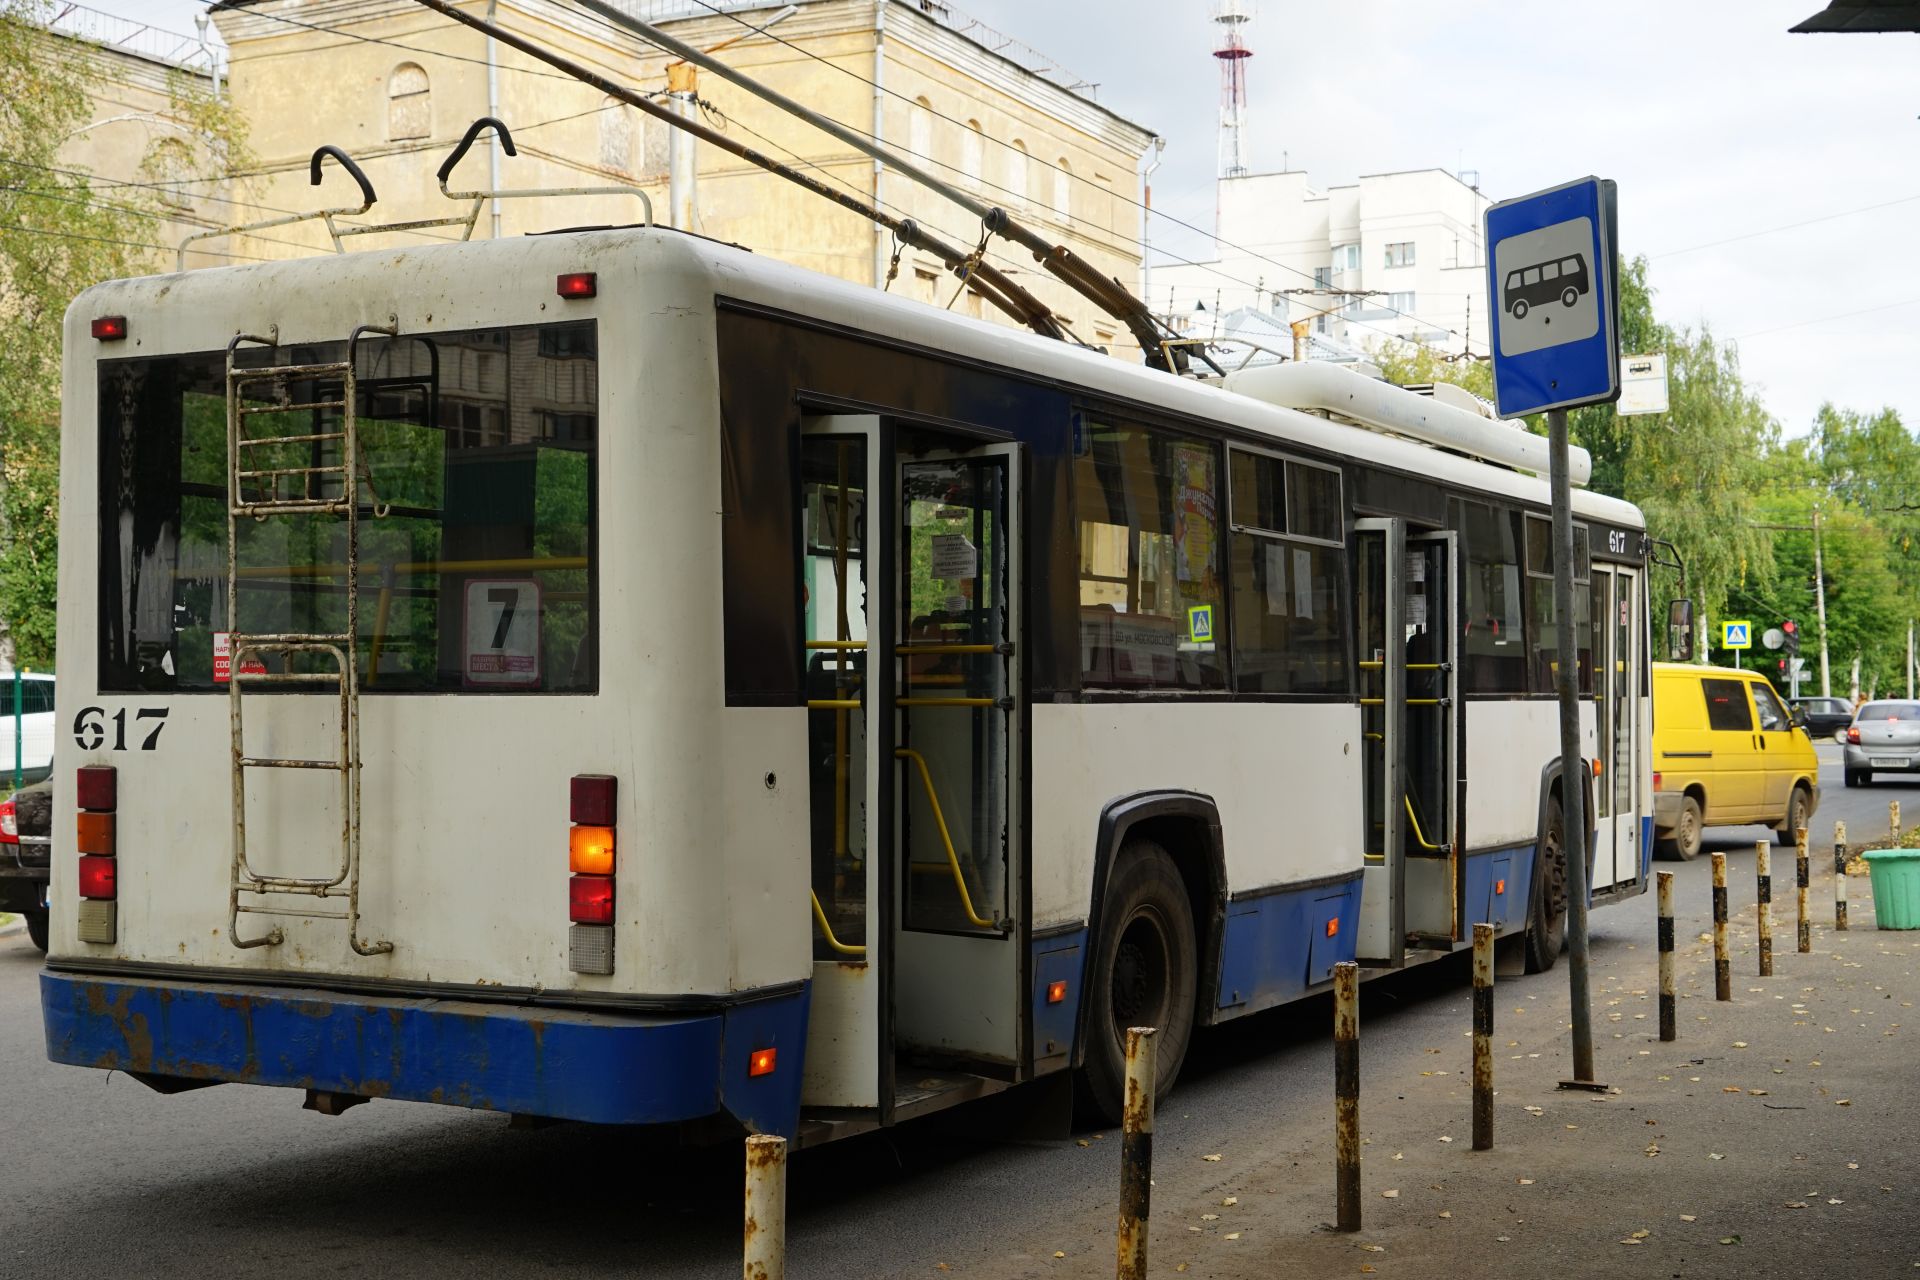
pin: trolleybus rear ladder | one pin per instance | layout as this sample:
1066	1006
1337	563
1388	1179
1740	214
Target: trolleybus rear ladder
261	485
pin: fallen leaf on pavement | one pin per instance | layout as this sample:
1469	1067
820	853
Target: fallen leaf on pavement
1059	1253
1729	1239
1535	1111
1688	1217
1715	1155
1444	1138
1229	1202
1641	1234
1796	1204
1233	1235
1446	1213
1392	1194
1209	1217
1213	1159
1843	1102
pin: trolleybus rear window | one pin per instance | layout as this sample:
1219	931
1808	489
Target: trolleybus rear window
476	512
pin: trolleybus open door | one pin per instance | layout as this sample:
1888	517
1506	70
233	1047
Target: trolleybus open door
916	752
1412	885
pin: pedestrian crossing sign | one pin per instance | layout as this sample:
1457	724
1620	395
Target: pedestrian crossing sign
1200	624
1736	635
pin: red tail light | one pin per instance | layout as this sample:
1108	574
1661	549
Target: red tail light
96	788
9	823
576	284
1656	782
96	878
590	899
1853	736
109	328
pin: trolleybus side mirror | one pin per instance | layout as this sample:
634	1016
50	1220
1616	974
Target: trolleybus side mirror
1680	631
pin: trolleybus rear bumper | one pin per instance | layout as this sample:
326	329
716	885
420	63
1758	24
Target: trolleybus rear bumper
573	1064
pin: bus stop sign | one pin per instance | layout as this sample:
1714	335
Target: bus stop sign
1553	289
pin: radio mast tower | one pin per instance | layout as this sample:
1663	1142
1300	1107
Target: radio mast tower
1231	16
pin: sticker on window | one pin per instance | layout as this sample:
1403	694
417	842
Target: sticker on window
223	660
1200	623
501	633
954	558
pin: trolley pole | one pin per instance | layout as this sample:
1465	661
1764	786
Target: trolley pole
1805	937
1573	767
1722	967
1346	1094
1136	1155
1483	1037
1763	905
764	1252
1839	877
1668	1031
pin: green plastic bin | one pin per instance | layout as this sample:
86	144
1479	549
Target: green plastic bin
1896	887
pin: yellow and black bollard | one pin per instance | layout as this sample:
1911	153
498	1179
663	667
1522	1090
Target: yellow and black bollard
1893	823
1763	905
1722	967
1483	1037
1667	1029
1805	936
1840	877
1136	1155
1346	1094
765	1247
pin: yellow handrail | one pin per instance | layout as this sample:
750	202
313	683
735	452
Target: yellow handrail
826	930
1409	666
837	644
946	702
833	704
1410	702
1419	836
946	838
917	648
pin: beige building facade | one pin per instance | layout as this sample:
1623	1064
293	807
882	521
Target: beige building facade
140	141
396	86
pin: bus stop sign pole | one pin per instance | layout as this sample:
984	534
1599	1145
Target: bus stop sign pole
1553	285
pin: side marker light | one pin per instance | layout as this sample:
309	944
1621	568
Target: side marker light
1056	992
1499	886
761	1064
1333	927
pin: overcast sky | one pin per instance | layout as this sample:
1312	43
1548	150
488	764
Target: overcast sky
1714	121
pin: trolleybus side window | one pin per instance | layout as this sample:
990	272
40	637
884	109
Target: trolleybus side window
479	450
1494	642
1151	602
1289	577
1542	643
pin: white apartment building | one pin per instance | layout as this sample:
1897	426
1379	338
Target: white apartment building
1394	255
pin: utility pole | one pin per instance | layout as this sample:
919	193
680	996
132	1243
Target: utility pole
682	173
1820	603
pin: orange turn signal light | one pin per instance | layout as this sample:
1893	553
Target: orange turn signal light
590	850
96	833
761	1064
1333	927
1056	991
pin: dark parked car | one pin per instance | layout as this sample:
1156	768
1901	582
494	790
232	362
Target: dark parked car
1822	717
26	828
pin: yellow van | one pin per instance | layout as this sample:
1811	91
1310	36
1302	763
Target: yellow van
1725	753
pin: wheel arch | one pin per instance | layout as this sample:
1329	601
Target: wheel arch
1187	825
1549	788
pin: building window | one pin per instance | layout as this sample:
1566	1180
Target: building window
972	149
1062	190
1323	277
1016	183
409	109
170	165
1401	302
1346	257
920	128
1400	254
616	136
1150	591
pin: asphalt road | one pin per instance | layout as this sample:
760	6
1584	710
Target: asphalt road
99	1176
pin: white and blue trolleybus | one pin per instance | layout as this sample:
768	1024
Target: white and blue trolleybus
612	676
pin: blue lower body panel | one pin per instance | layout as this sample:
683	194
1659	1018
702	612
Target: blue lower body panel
1499	888
603	1067
1282	944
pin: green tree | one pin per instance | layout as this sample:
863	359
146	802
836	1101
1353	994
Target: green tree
58	235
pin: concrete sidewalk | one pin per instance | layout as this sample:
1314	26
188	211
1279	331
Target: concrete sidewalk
1776	1134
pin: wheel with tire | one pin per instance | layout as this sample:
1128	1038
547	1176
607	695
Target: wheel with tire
1569	296
1143	974
1520	309
37	929
1684	844
1547	922
1797	806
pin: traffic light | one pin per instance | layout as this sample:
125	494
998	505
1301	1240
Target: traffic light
1792	632
1783	666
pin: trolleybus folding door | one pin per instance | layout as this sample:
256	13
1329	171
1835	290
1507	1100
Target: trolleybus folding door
1381	545
1616	659
958	811
849	1056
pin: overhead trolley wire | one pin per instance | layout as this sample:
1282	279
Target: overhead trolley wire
1070	174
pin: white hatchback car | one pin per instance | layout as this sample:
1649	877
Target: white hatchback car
35	729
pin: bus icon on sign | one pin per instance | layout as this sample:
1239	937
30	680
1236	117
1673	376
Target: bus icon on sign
1563	278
